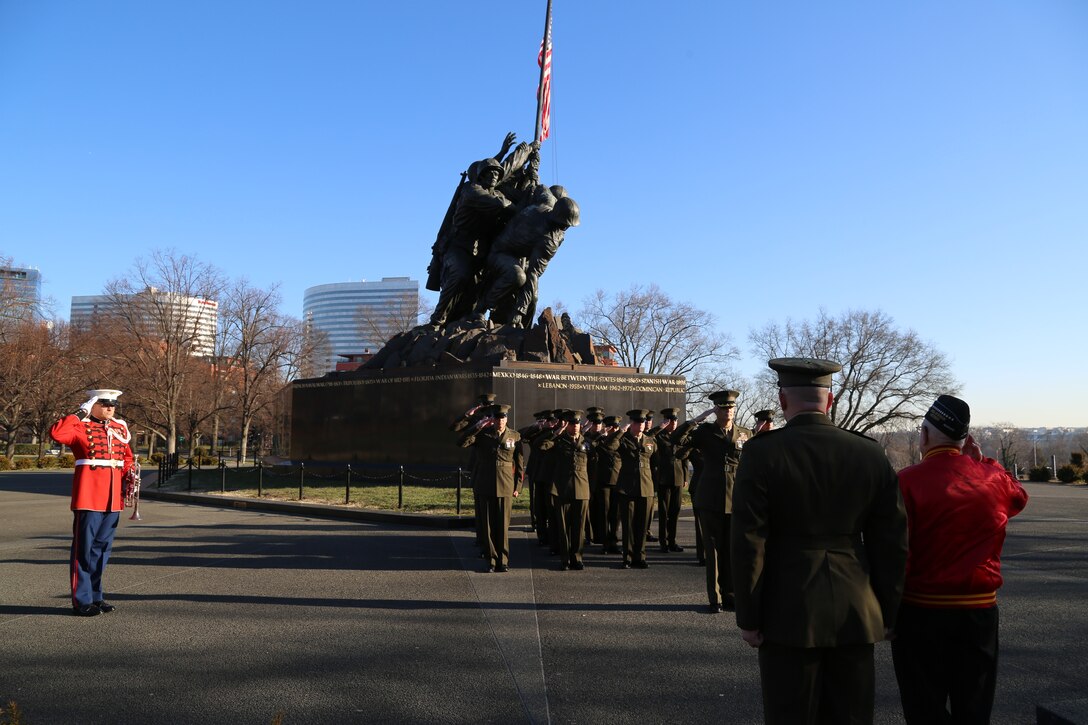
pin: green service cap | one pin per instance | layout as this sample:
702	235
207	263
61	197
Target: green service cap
725	398
804	371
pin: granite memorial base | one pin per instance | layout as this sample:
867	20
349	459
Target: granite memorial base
402	416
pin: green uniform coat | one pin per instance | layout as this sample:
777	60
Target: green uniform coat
819	536
720	453
499	465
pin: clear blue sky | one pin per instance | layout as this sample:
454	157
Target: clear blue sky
760	159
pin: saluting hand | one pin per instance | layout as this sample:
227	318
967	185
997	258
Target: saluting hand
704	415
972	449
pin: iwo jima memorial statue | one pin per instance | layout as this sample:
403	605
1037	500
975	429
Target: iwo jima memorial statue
501	231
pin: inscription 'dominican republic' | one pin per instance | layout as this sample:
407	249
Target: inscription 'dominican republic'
571	381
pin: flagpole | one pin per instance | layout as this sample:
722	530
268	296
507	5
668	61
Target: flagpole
543	64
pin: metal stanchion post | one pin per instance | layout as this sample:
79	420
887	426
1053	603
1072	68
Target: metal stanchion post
223	479
190	473
400	489
301	478
458	490
260	479
347	487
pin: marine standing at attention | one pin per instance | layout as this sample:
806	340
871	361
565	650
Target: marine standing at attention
819	547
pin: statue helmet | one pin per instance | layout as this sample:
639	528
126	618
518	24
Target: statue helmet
488	163
565	212
558	191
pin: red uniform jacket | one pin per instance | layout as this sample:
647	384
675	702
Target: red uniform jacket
957	509
95	487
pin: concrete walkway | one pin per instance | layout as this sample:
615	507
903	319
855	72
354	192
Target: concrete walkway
230	615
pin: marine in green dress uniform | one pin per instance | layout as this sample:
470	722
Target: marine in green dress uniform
570	476
604	504
499	471
819	552
719	444
469	418
635	486
670	480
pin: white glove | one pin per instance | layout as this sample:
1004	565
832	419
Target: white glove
85	409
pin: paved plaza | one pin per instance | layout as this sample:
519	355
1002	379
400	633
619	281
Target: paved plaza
228	615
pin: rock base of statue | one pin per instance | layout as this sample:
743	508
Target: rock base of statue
482	341
401	415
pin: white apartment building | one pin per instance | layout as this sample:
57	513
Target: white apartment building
200	316
358	317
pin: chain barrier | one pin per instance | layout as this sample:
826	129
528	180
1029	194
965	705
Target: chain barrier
316	475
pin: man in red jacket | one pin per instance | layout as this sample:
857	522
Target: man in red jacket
100	443
958	504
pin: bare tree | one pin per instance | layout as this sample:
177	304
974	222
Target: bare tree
889	376
15	309
158	320
262	344
377	324
650	330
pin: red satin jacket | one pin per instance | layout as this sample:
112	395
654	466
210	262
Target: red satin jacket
95	487
957	510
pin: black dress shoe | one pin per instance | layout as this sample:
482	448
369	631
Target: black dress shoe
578	566
502	569
85	610
715	609
674	547
651	537
105	607
625	565
642	564
565	567
490	570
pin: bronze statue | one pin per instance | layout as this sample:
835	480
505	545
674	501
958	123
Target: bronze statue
498	198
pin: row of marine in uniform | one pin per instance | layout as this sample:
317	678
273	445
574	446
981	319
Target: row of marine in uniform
592	478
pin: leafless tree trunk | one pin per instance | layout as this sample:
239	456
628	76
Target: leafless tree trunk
262	343
889	376
153	328
402	314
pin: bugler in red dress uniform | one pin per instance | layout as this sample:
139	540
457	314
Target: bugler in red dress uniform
100	444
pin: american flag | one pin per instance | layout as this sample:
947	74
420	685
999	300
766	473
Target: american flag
544	91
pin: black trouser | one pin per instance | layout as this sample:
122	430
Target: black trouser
497	521
668	513
946	658
636	515
817	684
604	508
570	534
542	501
719	572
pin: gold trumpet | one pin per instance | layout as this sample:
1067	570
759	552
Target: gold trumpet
131	488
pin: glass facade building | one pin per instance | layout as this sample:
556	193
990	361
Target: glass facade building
21	289
356	318
201	316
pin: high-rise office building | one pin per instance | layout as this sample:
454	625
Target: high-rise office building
358	317
200	317
21	292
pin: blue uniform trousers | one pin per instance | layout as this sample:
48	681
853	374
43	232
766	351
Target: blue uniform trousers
92	541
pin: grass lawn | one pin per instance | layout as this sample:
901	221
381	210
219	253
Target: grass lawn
436	496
